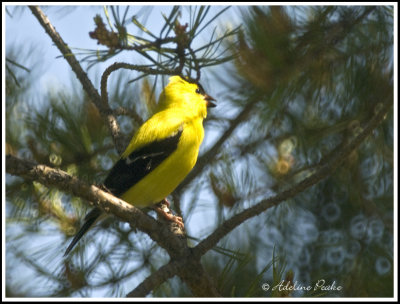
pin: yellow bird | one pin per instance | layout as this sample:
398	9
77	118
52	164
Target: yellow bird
161	153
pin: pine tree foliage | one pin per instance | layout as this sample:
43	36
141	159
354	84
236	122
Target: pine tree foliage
299	84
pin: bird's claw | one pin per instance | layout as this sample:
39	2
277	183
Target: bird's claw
163	211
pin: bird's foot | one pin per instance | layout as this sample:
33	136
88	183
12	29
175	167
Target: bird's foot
162	209
166	202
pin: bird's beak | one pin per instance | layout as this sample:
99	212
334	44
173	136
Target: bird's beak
209	102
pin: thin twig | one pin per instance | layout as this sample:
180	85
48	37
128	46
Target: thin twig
206	158
155	279
115	131
150	45
191	270
93	94
128	112
324	171
106	201
67	53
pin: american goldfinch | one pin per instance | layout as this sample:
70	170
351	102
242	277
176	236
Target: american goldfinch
162	151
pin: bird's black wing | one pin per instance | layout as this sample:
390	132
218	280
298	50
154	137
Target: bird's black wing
130	170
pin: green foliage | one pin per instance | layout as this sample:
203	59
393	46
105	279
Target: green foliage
310	78
318	78
157	49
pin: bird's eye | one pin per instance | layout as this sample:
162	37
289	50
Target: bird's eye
198	91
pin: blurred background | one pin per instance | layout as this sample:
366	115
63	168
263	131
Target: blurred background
292	84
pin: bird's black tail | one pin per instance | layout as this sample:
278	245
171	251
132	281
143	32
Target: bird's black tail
90	218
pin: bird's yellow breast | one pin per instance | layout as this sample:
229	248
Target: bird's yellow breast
160	182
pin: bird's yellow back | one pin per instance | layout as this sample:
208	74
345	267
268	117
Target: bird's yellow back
181	110
162	151
178	102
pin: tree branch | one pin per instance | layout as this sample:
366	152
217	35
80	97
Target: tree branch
197	279
107	202
325	169
177	248
206	158
190	270
122	65
155	279
87	85
115	131
67	53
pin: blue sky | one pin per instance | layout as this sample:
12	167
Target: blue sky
74	25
